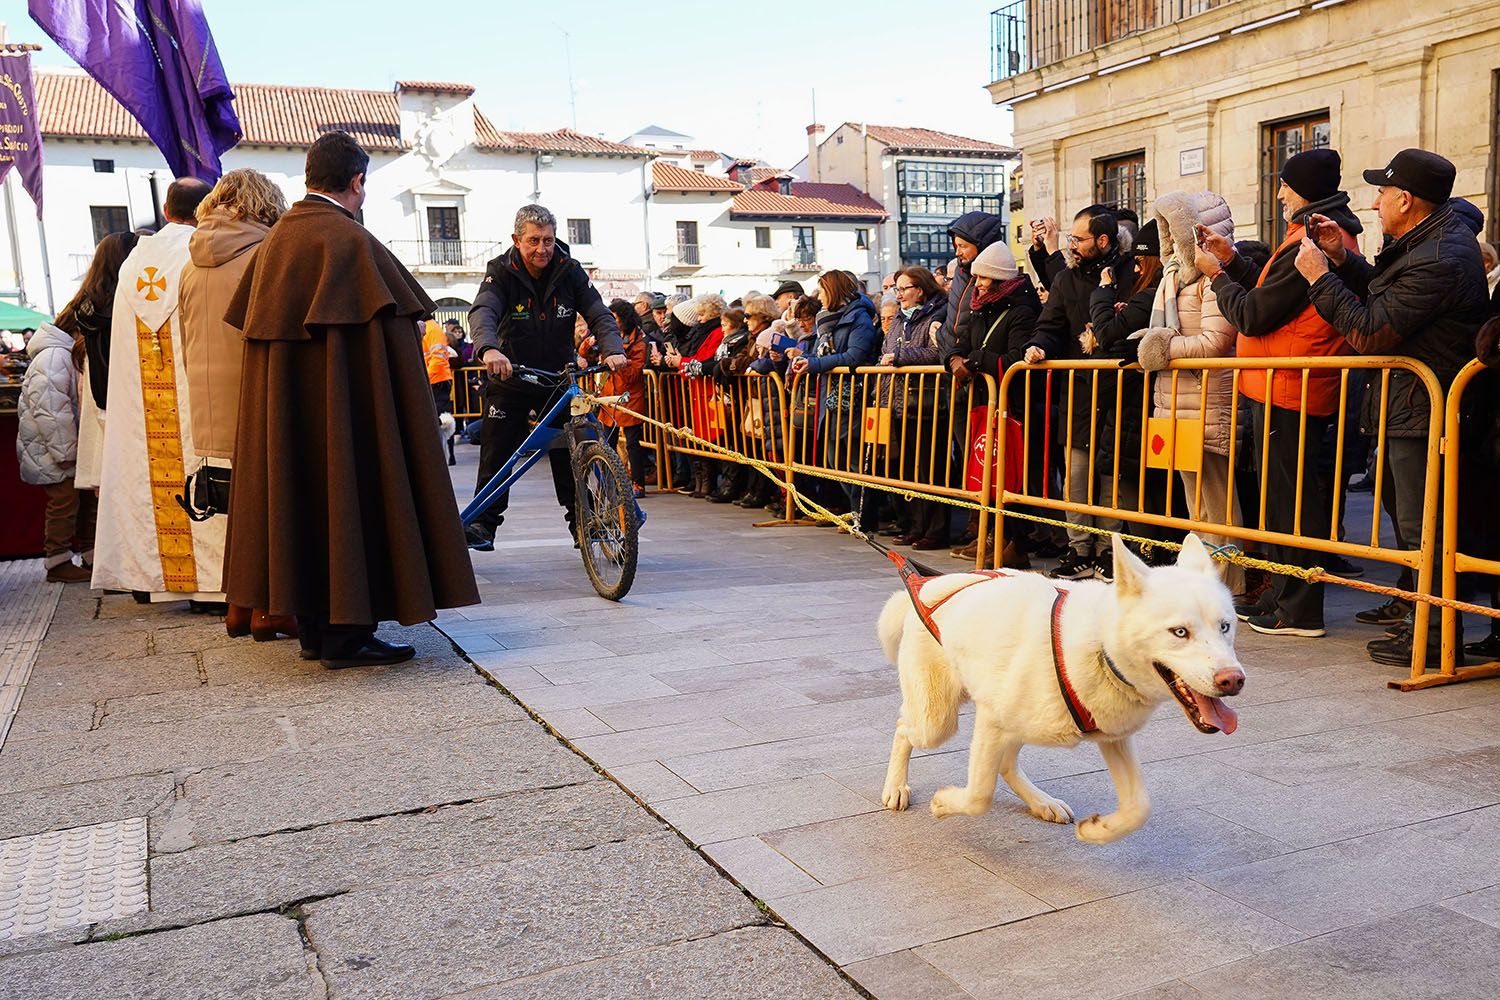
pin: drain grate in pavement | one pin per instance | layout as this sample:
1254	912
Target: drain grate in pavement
70	878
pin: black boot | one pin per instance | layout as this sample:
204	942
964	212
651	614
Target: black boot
731	485
702	478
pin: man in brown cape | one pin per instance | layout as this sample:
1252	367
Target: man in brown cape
341	510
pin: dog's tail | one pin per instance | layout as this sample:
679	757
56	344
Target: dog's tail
930	693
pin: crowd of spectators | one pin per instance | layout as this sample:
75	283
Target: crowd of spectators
1176	287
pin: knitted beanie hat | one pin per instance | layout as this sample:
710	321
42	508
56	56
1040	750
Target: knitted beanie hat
686	312
995	261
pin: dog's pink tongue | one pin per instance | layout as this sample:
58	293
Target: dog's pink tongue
1216	713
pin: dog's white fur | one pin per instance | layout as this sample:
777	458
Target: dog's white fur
997	651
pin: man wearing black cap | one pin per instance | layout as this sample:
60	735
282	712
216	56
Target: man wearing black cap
786	295
1424	297
1275	318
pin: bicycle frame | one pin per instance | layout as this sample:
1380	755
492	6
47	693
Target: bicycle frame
563	417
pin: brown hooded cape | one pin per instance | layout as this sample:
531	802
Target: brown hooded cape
340	507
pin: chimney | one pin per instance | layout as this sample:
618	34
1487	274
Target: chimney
814	154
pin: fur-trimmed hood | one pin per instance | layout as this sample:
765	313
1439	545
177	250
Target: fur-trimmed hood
1177	213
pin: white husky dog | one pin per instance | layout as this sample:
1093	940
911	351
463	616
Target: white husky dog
1051	663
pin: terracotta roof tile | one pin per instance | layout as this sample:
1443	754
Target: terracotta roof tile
564	140
74	106
930	140
670	177
463	89
758	174
704	155
807	201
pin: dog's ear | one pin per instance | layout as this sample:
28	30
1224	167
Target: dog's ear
1195	557
1130	572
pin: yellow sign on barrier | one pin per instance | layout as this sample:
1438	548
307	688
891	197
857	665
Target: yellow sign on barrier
1174	444
877	426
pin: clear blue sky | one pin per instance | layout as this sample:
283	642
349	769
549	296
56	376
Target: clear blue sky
739	77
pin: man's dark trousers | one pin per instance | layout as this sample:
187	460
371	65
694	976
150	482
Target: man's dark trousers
507	407
1298	602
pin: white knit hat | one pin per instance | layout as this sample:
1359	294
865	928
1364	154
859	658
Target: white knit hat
995	261
686	312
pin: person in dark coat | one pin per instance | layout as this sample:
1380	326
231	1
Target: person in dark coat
971	233
1059	337
1424	297
914	405
999	321
846	336
524	315
341	509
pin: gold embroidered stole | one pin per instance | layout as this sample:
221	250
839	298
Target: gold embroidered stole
174	532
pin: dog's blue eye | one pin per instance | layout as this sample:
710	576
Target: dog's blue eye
1224	627
1181	632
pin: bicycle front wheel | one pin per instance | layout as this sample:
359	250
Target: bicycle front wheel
608	529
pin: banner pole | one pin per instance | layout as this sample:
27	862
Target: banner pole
15	243
41	231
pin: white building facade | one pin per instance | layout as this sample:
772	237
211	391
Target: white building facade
925	178
444	186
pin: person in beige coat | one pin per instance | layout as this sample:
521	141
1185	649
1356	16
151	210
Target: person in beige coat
232	222
1186	323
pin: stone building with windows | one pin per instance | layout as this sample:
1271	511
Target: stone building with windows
927	178
1120	101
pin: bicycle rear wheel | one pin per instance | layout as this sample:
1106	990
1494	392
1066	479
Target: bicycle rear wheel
608	529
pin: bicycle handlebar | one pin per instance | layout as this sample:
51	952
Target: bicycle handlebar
571	371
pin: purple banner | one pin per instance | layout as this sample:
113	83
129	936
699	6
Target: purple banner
20	138
157	58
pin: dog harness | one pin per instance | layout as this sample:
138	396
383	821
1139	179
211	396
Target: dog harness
913	579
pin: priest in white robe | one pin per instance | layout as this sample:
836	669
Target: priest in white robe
146	541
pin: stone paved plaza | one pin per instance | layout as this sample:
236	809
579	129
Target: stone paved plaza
414	832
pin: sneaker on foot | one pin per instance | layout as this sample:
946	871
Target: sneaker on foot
1271	624
1263	604
1104	568
1389	613
1339	566
479	538
1074	566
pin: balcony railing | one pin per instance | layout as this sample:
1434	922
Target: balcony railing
456	255
683	256
1030	34
800	260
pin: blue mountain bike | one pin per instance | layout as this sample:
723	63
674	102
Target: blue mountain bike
607	518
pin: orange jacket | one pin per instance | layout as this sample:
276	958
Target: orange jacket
1306	335
435	351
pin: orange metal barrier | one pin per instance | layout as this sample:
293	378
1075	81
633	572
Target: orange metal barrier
1170	442
1455	560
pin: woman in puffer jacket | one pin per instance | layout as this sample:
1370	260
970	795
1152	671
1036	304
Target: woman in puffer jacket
1186	323
915	403
47	449
846	337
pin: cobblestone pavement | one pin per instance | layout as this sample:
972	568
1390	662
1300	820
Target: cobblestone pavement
402	832
1344	843
411	832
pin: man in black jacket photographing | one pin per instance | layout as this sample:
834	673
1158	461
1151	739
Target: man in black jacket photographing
524	315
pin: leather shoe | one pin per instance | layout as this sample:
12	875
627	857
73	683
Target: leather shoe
373	652
928	544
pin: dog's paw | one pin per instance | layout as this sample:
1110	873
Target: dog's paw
896	798
1103	829
952	801
1052	810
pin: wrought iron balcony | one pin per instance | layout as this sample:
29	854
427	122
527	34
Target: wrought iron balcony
800	261
1029	34
681	257
446	255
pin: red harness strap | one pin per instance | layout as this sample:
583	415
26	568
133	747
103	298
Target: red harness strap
1082	718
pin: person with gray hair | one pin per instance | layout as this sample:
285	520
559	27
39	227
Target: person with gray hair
524	315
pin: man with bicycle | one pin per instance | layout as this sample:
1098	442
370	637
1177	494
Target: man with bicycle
524	315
